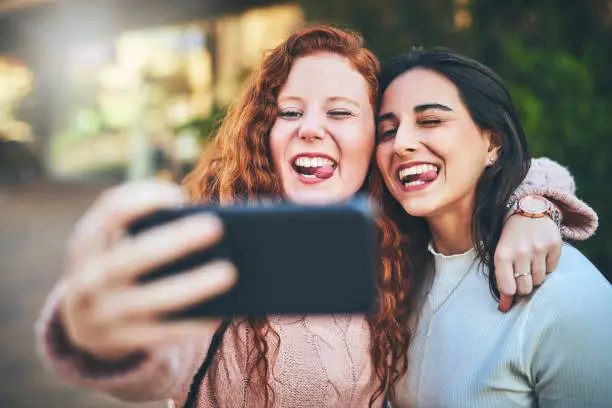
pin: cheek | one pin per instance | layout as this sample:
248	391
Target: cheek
354	145
278	144
358	143
361	151
383	158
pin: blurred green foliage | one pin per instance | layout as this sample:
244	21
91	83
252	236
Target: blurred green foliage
204	127
555	57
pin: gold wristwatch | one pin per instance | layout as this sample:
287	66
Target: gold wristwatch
534	206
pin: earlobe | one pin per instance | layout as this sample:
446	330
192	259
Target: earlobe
493	150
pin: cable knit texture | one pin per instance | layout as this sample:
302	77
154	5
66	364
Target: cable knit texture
322	361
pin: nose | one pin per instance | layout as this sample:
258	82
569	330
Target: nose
311	128
406	140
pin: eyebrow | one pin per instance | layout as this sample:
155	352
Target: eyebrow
386	116
330	99
343	98
417	109
427	106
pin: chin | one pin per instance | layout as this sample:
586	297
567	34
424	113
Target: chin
318	197
417	208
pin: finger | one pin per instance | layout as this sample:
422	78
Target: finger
135	256
170	294
522	270
504	277
554	254
120	205
505	302
524	285
138	255
538	268
114	210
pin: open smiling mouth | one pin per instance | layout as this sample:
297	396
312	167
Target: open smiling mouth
417	177
315	168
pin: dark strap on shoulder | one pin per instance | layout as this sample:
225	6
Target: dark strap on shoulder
192	397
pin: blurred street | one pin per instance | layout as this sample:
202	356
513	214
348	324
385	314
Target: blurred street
34	223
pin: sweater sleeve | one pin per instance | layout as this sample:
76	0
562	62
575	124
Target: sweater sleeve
567	337
553	181
161	373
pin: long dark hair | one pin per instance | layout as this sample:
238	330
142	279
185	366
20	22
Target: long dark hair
491	107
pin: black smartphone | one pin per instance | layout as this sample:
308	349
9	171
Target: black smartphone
291	259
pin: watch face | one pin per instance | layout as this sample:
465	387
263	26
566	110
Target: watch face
533	205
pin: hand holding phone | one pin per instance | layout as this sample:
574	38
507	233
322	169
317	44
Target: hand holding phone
102	309
291	259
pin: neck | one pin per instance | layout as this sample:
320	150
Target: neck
452	231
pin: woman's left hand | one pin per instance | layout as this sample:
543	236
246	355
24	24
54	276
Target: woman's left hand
528	248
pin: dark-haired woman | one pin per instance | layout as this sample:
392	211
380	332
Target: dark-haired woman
451	151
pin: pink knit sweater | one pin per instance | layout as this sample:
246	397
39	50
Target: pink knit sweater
322	361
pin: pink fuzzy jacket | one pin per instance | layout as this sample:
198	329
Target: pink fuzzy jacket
322	361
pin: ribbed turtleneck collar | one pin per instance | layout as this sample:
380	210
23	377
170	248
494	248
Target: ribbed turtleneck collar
457	263
449	273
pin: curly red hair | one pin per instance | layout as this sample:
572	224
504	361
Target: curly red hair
237	166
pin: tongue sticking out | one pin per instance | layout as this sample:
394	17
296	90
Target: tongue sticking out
324	172
427	176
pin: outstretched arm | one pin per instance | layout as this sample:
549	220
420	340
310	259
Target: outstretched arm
529	248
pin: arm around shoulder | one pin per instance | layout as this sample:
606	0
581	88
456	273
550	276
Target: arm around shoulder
549	179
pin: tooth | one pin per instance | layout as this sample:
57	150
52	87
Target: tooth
414	183
319	162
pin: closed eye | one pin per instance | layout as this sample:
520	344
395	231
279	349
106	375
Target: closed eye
388	134
428	123
290	114
340	113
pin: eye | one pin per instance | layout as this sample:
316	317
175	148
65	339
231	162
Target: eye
429	122
337	113
290	114
387	134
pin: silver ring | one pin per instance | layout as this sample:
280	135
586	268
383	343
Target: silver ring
519	274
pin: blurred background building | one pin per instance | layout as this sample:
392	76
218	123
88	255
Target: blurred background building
123	89
93	92
126	89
